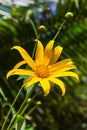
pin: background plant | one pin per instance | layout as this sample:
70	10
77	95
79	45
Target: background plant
55	112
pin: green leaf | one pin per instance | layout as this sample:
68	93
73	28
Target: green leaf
9	26
30	128
24	77
21	123
28	89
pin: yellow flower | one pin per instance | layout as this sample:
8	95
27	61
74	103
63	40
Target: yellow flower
44	68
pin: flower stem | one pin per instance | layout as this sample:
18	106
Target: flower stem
34	28
22	108
20	113
11	108
36	34
12	120
32	109
59	29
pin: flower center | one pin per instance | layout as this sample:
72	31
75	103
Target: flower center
42	71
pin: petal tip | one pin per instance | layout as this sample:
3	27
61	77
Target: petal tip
7	76
63	93
78	78
36	40
46	93
13	47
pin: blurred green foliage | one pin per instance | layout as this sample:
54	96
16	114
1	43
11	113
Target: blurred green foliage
55	112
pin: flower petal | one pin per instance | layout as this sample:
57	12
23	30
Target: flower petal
25	56
45	85
39	53
68	73
62	68
60	64
30	81
58	82
19	72
19	64
56	54
48	52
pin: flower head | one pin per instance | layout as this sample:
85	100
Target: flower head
45	68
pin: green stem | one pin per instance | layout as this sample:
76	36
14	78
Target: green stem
25	100
36	34
21	108
34	51
11	108
34	28
32	110
13	125
59	30
21	113
12	120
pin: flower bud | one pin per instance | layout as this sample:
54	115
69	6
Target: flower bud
68	15
29	99
28	14
42	28
38	102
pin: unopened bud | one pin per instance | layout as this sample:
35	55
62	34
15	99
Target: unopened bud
42	28
38	102
29	99
28	14
68	15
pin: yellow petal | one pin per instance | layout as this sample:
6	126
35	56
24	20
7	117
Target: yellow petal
56	54
68	73
30	81
39	53
62	68
61	63
19	64
48	52
19	72
25	56
59	83
45	85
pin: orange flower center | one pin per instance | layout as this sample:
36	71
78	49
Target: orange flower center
42	71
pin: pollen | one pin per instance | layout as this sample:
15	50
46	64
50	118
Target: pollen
42	71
